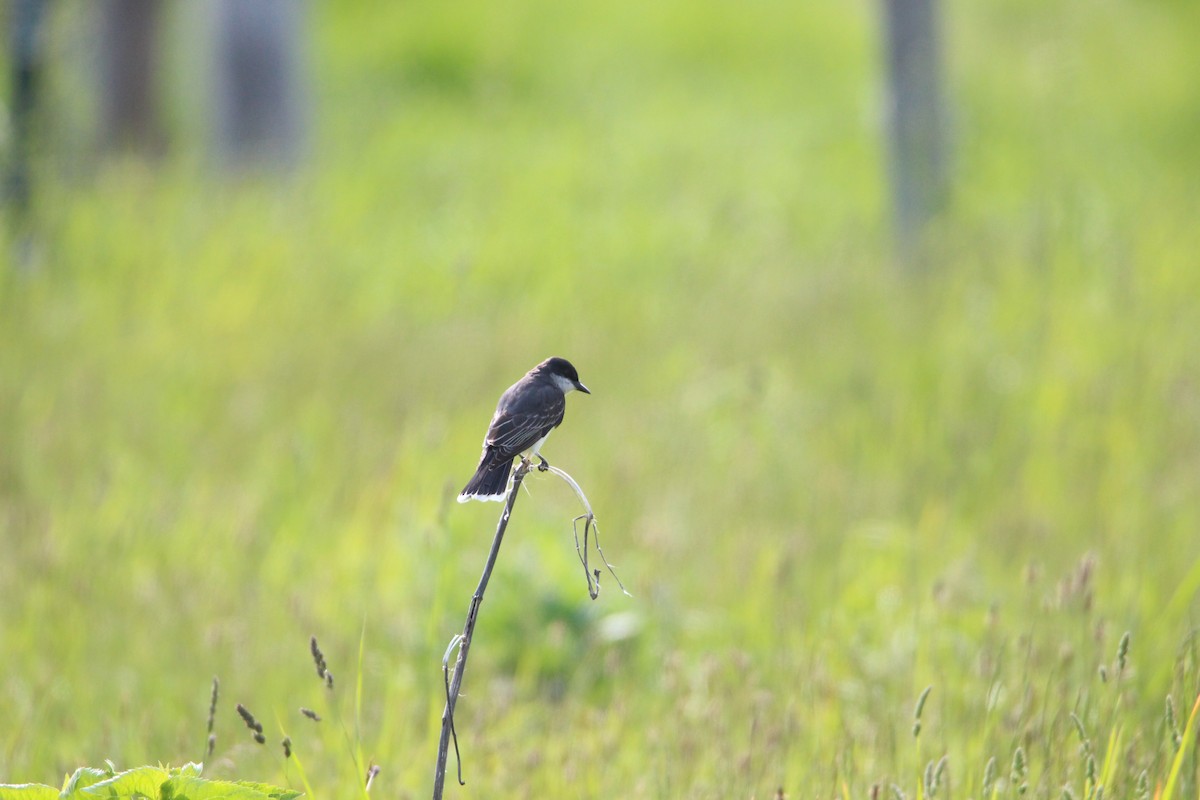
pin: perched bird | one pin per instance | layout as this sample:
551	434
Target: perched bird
527	412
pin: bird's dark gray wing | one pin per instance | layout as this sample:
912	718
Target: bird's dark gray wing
524	416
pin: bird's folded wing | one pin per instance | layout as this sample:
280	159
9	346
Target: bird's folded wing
514	430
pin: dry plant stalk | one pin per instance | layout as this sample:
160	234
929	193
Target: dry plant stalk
453	680
454	683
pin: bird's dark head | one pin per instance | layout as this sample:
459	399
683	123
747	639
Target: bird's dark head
565	373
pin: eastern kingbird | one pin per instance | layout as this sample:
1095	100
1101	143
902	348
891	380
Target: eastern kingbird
525	415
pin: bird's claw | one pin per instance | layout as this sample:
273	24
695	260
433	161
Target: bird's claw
545	465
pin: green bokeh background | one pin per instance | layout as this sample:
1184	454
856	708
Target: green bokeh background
235	410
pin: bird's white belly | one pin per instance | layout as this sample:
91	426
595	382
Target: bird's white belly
536	448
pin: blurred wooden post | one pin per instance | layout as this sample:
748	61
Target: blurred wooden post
918	159
130	103
258	81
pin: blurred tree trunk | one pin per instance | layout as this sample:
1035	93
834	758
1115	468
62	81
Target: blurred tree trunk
918	158
26	65
130	105
258	81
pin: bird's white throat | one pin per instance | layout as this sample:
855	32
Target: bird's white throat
563	383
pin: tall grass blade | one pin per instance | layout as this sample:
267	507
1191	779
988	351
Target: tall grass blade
1189	736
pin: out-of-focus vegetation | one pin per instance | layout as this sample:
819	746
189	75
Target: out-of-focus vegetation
146	783
234	412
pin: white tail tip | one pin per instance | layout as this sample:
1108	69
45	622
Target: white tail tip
487	498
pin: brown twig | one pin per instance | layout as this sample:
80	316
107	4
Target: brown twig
464	642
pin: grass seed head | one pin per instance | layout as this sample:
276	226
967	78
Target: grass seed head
1083	580
258	737
250	721
318	657
1083	737
933	775
1143	786
308	712
1019	770
212	745
921	701
920	707
989	775
1122	653
1173	724
287	747
212	703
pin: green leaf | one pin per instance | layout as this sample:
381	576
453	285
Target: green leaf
195	788
83	778
274	792
191	769
134	783
27	791
148	783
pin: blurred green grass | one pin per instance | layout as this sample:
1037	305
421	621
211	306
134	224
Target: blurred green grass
235	413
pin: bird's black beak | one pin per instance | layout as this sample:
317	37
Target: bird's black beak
581	387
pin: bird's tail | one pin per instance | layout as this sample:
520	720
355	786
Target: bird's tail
489	482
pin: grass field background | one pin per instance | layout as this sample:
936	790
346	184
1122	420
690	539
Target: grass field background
234	413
